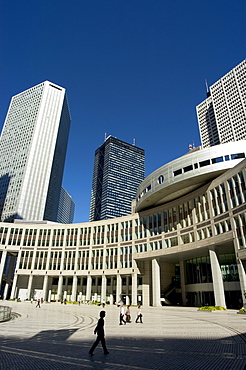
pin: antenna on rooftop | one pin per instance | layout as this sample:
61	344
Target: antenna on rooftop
207	88
105	136
206	84
134	142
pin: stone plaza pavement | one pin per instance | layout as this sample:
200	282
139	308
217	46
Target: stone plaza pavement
58	336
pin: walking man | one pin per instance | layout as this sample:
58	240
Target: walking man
139	315
99	330
122	314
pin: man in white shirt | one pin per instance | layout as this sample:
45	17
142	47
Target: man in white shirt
122	314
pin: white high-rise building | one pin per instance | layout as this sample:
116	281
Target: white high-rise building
33	146
222	116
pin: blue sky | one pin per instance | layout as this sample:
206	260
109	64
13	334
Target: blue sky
134	69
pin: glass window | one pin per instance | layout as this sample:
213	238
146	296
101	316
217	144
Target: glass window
204	163
177	172
237	156
217	160
188	168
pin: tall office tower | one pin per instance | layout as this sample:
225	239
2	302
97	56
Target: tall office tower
119	168
66	208
33	147
222	116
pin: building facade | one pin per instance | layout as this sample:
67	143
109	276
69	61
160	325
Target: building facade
119	168
66	208
33	146
185	244
222	116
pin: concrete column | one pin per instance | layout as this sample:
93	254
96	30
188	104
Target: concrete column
59	288
103	289
118	288
134	288
156	283
88	288
146	284
29	287
11	268
74	288
2	264
8	276
219	294
96	293
127	291
6	289
45	287
13	290
182	282
111	296
49	295
65	287
242	279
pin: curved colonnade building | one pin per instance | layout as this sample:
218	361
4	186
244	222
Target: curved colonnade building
185	242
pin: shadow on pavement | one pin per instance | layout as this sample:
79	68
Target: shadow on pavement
55	349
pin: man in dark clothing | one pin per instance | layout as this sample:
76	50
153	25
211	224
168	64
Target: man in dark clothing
99	330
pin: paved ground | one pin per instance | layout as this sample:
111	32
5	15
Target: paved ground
58	336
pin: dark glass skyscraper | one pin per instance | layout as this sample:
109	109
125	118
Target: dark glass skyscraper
119	168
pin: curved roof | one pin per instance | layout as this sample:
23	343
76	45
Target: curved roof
188	173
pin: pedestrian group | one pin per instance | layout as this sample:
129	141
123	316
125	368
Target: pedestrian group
99	329
127	315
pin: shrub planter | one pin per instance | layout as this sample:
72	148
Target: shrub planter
211	308
242	311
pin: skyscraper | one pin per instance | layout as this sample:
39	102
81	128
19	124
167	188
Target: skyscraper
33	147
119	168
66	208
222	116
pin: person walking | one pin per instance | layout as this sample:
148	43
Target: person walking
122	314
99	330
38	304
139	315
128	314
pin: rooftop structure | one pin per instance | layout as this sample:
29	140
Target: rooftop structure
187	173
